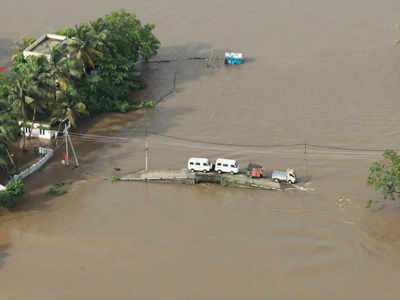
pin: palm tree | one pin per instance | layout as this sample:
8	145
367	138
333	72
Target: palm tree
22	90
39	69
69	106
82	47
9	131
63	70
21	46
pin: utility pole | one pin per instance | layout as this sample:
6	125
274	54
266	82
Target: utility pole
66	144
305	161
73	151
146	149
68	140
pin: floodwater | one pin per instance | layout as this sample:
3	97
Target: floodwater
318	72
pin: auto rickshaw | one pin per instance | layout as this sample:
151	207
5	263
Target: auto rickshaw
255	170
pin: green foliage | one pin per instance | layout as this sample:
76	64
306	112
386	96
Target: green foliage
98	63
59	189
146	104
14	191
114	178
397	42
21	46
55	191
93	72
69	105
368	204
9	131
384	176
15	188
108	50
6	200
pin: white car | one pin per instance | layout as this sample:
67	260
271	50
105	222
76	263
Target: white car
199	164
223	165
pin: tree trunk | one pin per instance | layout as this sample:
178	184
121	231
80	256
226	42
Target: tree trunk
10	158
34	114
24	124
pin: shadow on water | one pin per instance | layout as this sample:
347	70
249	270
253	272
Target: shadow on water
5	52
249	60
176	65
3	253
161	79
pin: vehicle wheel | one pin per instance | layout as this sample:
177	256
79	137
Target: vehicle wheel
219	172
290	182
276	180
192	170
232	173
204	171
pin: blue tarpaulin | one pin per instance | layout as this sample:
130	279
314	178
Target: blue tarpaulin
232	58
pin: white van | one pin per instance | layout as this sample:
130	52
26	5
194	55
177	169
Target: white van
199	164
226	166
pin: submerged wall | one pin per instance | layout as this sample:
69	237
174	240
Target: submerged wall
48	153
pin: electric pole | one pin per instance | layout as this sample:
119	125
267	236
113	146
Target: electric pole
68	140
66	144
73	151
146	149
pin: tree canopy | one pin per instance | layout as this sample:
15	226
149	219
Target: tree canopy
92	72
108	50
384	176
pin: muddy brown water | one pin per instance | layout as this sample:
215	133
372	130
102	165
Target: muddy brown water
318	72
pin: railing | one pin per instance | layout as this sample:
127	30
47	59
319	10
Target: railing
48	153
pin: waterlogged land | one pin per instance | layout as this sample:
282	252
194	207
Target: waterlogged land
319	72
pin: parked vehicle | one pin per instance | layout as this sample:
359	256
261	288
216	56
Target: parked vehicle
255	170
232	58
223	165
289	176
199	164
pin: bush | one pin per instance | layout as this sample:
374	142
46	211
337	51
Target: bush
384	176
16	188
147	104
14	191
6	200
55	191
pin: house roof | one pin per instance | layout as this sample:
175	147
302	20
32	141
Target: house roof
44	44
3	69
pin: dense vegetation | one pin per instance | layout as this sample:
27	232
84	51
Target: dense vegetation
384	176
13	192
93	71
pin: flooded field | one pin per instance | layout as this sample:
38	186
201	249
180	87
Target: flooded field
322	73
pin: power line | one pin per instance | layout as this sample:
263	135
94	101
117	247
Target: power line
116	139
346	149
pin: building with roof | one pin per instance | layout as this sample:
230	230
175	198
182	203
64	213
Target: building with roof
44	44
40	130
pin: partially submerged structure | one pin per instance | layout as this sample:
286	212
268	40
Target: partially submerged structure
232	58
38	130
44	44
186	177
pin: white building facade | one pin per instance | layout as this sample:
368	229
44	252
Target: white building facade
38	130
